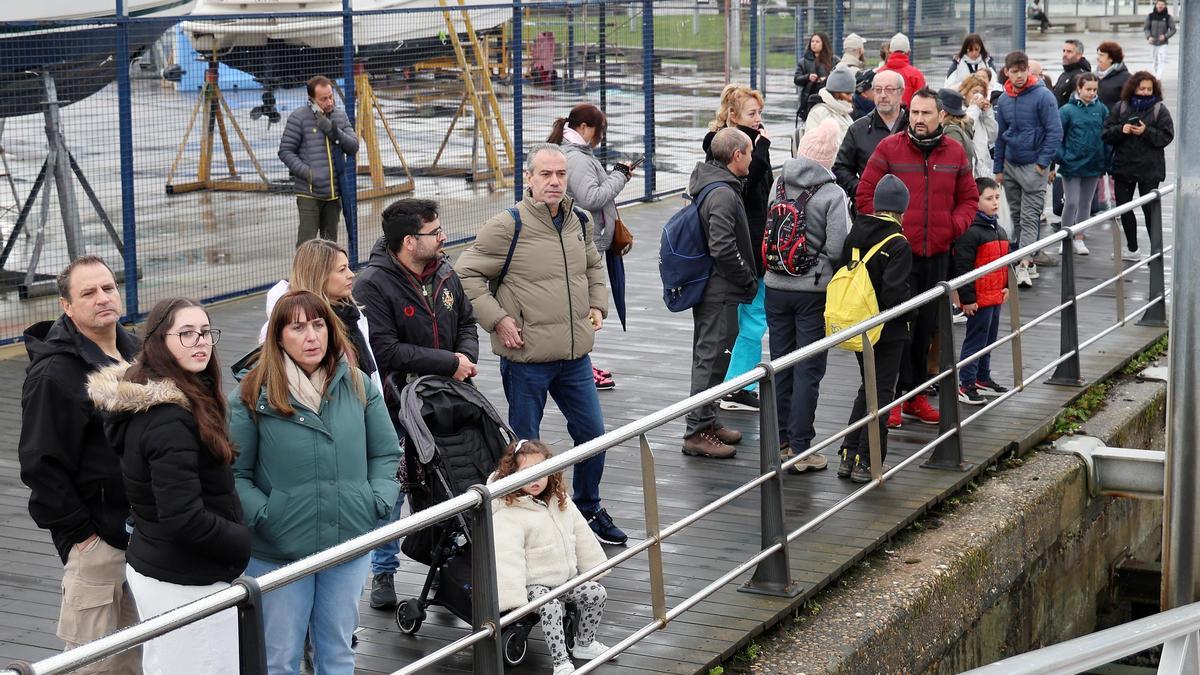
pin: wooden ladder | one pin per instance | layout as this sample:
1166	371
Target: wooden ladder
478	92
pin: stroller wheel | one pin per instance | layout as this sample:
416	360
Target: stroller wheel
515	647
409	625
570	625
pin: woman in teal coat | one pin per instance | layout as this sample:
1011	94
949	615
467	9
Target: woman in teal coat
316	465
1082	157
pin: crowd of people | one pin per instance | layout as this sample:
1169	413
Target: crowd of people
158	489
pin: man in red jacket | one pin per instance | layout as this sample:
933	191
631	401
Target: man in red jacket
943	199
901	62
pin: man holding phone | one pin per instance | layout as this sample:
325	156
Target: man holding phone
315	143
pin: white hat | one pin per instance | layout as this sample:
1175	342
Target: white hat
899	43
852	42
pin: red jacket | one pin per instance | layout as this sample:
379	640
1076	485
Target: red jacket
914	79
941	190
983	243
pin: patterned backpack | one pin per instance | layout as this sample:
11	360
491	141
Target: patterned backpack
786	248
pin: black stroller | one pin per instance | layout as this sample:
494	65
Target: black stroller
454	440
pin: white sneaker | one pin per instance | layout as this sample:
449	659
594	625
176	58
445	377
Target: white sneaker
957	316
1131	256
1080	247
1023	280
1033	272
564	668
590	651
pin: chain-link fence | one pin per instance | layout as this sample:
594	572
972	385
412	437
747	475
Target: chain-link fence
170	167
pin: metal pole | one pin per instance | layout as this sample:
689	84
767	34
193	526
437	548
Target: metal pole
839	24
570	78
1017	7
604	76
912	29
487	656
948	453
1181	546
753	44
1067	372
350	166
125	130
773	575
518	76
648	87
971	17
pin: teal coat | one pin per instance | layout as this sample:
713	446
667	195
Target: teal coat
311	481
1083	153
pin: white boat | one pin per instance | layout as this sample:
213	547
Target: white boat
80	57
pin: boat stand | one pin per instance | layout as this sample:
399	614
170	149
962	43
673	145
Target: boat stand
216	113
60	166
368	112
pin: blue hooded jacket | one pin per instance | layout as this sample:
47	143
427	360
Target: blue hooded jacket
1082	153
1029	130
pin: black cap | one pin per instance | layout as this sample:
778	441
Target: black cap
952	102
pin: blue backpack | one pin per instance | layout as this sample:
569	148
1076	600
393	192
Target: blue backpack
683	260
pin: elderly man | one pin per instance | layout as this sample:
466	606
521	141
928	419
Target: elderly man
865	133
536	282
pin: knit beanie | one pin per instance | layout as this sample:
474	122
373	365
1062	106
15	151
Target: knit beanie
891	195
852	42
841	81
820	144
899	43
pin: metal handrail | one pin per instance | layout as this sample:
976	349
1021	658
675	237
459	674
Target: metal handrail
482	495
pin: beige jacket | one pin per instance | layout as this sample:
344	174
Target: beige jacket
537	543
553	280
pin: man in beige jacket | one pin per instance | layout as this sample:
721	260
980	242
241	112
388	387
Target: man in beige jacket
536	282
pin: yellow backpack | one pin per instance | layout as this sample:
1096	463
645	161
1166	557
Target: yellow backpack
850	298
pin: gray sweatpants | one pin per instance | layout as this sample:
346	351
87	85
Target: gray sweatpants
1077	198
1026	192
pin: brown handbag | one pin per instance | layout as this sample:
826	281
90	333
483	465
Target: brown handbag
622	241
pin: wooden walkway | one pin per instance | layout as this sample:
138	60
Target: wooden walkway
650	363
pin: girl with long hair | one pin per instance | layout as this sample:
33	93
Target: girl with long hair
542	541
166	417
1081	157
812	70
971	58
316	466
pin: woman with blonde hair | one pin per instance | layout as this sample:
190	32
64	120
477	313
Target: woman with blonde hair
974	89
316	466
742	107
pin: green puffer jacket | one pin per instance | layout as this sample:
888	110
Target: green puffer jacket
554	279
311	481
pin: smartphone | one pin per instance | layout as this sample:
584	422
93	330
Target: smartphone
1135	121
637	162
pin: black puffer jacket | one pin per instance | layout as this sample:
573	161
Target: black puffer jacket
410	335
756	190
74	477
1141	158
1065	86
857	147
187	520
889	269
808	88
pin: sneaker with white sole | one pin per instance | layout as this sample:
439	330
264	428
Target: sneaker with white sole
590	651
957	315
1131	256
1023	280
1033	271
565	668
743	400
1080	247
970	395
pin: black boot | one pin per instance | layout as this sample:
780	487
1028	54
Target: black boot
383	592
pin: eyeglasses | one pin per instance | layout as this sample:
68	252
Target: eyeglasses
885	90
435	233
191	338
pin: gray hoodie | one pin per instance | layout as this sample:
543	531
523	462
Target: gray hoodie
828	222
594	189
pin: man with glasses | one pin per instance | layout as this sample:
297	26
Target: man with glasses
75	486
865	133
420	323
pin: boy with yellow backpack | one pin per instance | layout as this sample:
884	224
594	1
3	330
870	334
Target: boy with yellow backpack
875	250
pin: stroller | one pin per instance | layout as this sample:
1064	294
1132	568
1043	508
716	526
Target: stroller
454	440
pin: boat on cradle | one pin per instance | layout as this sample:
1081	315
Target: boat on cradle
80	56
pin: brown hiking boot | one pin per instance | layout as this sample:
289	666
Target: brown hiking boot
706	444
726	435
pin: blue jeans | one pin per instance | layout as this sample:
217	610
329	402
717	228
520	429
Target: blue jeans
383	559
797	319
325	605
752	326
982	330
571	385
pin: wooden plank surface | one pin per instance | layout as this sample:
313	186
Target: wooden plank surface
651	366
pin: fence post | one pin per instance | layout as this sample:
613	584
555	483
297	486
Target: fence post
948	453
252	651
912	28
1067	372
125	129
648	87
753	44
487	655
518	80
1017	7
350	166
773	576
1156	315
839	24
971	17
604	77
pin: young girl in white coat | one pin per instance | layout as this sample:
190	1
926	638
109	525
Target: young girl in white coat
541	541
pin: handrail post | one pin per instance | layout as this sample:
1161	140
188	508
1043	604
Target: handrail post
1014	324
948	453
874	441
1067	372
1118	266
252	651
658	593
773	576
1156	314
487	655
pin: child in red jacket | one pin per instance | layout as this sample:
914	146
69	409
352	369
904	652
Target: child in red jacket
981	301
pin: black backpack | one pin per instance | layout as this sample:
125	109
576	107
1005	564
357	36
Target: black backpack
786	247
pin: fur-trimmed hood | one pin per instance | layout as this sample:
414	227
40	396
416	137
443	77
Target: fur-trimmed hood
112	394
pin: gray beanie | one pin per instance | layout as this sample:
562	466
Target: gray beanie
891	195
841	81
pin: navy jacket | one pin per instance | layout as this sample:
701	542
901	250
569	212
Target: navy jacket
1029	130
